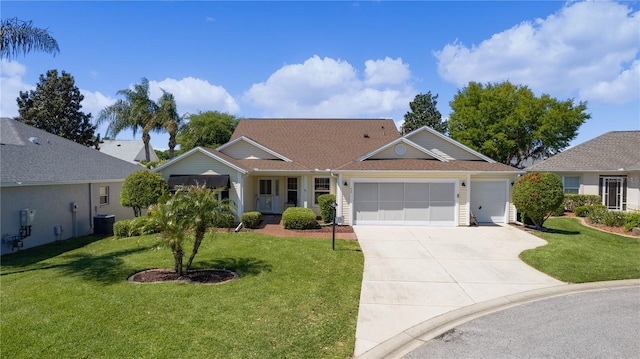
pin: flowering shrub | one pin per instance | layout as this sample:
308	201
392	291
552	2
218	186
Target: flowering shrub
537	195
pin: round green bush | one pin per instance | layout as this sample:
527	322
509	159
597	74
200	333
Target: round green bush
614	219
537	195
142	189
251	219
582	211
299	218
631	221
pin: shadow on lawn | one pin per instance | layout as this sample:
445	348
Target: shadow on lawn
242	266
38	254
105	269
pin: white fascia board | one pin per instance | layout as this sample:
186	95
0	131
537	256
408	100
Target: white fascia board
581	171
61	183
206	153
172	161
431	172
405	141
452	141
256	144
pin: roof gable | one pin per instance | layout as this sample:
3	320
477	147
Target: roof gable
209	153
128	150
402	148
246	148
612	151
52	159
444	146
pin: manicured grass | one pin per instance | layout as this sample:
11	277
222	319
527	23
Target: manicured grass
578	254
295	298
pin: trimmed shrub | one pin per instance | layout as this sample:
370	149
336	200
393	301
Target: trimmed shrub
251	219
121	228
597	213
299	218
571	201
537	194
142	189
326	202
559	212
631	221
614	219
582	211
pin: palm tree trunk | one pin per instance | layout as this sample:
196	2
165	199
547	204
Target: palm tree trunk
177	258
196	245
146	138
172	144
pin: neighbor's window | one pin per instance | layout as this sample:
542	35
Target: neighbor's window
321	185
104	195
292	190
571	185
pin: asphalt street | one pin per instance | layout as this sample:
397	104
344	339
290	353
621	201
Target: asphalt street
599	324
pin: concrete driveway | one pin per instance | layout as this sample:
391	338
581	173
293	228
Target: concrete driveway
414	274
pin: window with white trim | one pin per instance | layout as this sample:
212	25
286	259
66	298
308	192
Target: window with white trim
571	185
104	195
292	191
321	185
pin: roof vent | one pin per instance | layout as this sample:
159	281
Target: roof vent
366	135
34	140
118	145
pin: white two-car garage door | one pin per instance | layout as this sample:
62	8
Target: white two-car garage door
404	203
489	201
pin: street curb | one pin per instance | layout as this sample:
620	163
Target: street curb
405	342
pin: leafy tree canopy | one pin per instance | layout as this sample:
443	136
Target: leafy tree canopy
510	124
54	106
142	189
20	36
537	195
424	113
206	129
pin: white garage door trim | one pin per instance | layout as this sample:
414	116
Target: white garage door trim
497	211
399	212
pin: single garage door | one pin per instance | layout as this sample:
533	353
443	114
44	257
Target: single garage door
489	201
404	203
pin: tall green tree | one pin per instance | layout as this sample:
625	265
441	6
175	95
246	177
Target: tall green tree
206	129
510	124
424	113
54	106
20	36
135	112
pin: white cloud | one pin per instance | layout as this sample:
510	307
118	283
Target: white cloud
11	84
570	52
94	102
625	88
193	95
333	88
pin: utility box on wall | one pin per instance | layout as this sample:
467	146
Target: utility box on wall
27	217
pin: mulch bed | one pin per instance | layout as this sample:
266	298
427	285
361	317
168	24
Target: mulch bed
198	276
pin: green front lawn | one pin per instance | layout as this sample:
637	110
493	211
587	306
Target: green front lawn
578	254
295	298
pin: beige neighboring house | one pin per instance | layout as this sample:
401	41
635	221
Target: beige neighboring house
377	175
127	150
52	188
608	165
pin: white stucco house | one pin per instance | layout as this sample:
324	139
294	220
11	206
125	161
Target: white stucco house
51	188
377	175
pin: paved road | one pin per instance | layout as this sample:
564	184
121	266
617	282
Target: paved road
601	324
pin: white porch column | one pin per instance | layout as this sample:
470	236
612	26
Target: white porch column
339	195
305	195
467	221
240	189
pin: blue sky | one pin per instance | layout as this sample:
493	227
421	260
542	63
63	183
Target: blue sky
342	59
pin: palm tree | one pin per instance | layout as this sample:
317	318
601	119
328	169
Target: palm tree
135	112
206	211
167	116
170	219
21	37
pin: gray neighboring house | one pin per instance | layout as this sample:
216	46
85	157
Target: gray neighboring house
128	150
54	186
608	165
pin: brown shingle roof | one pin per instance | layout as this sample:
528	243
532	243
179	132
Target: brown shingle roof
318	143
609	152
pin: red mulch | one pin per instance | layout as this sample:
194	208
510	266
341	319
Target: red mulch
602	227
198	276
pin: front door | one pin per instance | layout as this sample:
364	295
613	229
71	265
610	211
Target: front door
612	192
269	195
